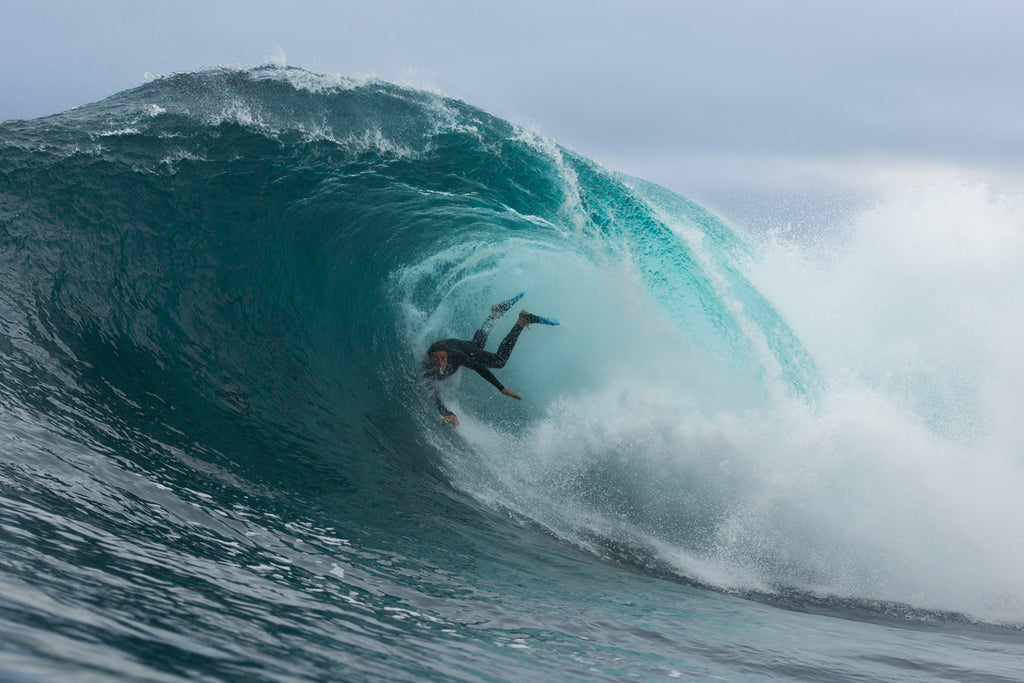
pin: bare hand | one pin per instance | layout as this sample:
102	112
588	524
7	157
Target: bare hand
509	392
451	418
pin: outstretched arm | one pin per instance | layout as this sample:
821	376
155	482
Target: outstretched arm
489	376
445	413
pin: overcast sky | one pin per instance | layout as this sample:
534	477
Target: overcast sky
721	101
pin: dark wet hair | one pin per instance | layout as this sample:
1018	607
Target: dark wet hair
437	346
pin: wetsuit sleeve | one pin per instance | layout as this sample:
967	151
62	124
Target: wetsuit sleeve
440	406
487	375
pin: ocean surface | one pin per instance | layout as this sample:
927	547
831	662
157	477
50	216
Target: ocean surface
740	457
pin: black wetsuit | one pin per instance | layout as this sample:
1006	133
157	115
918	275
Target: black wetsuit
471	353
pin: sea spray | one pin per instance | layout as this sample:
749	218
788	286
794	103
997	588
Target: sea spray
899	483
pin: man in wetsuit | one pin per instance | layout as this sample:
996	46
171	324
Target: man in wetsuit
445	357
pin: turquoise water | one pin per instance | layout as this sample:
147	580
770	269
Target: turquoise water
218	461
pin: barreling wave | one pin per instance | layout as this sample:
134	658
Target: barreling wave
273	247
249	263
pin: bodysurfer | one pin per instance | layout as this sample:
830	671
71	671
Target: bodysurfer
445	357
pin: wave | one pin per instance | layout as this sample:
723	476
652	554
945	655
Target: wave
249	264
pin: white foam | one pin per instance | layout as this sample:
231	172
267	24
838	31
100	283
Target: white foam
904	483
907	482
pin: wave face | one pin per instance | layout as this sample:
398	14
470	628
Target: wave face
218	287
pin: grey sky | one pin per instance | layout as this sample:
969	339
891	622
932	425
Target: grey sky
711	99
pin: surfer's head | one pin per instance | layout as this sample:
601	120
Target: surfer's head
437	355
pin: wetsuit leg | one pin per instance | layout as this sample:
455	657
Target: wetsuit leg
480	336
497	310
486	358
506	346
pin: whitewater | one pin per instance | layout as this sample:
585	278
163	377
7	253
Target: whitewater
743	455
